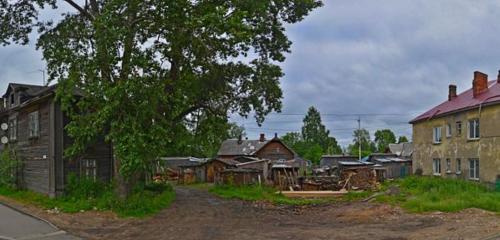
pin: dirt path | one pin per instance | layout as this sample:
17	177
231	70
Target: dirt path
196	214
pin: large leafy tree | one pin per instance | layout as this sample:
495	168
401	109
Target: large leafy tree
361	136
402	139
313	131
145	67
204	136
383	138
291	138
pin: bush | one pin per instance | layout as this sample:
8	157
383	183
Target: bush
84	188
9	166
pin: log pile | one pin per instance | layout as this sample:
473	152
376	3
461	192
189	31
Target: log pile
348	179
358	179
321	183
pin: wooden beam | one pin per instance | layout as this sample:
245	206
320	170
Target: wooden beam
312	194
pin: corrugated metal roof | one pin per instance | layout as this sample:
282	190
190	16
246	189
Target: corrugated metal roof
402	149
244	147
356	163
464	101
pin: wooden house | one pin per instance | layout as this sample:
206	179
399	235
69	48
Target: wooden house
36	133
273	149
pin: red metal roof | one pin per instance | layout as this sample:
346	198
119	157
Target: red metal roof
464	101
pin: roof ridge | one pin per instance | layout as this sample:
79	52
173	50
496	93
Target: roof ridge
463	102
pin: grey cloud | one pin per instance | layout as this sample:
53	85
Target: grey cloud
364	56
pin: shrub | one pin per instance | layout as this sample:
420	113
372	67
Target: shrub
84	188
9	166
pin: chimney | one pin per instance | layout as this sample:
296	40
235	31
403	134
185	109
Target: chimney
239	139
452	93
480	83
275	135
498	77
262	137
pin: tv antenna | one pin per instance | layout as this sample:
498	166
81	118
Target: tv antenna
43	75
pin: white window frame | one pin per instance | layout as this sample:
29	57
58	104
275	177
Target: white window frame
474	168
448	130
436	135
458	166
34	125
436	166
13	129
474	129
88	168
458	126
448	165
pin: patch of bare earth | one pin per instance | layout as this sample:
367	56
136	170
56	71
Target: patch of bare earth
196	214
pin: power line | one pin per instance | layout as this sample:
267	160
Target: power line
332	130
348	114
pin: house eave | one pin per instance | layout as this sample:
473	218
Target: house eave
455	112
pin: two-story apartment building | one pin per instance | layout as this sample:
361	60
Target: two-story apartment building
36	133
460	138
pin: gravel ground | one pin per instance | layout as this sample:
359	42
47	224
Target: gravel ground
197	214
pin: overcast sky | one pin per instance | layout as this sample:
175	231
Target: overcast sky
392	58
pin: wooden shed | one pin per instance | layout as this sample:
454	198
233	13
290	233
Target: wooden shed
214	167
240	176
391	166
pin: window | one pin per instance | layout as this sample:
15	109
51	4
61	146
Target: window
459	128
34	125
437	135
436	166
12	100
88	169
448	165
474	169
448	130
474	129
13	129
459	166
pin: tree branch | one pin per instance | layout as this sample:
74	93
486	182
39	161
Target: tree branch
80	9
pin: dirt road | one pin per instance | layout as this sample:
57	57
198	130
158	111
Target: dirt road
196	214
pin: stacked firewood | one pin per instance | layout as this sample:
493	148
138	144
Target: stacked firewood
358	179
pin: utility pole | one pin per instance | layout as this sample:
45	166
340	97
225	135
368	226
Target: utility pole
359	137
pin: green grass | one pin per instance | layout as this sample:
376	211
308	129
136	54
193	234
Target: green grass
263	193
144	200
424	194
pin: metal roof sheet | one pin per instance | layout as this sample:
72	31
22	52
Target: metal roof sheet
464	101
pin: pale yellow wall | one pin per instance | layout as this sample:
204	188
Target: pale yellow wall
486	149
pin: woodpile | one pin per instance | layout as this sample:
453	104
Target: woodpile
349	179
321	183
358	179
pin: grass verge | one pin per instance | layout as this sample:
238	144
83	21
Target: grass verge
264	193
424	194
85	196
